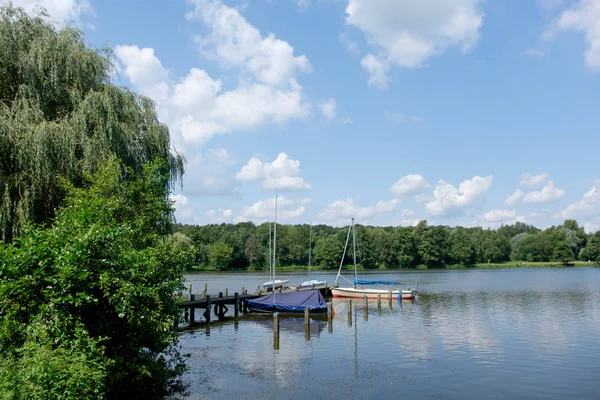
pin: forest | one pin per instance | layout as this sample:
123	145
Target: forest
245	246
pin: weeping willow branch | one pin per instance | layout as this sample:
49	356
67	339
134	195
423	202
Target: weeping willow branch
60	117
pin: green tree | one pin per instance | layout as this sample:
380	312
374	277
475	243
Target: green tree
433	246
220	255
328	252
563	252
591	252
461	246
87	306
60	117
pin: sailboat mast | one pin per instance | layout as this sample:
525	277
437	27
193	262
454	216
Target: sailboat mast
354	251
270	257
274	244
309	247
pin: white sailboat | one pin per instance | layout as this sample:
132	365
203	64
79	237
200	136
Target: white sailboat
274	284
313	283
355	292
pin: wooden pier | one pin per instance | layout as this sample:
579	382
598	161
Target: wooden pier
218	304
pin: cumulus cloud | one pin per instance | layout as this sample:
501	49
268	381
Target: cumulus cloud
533	181
514	198
340	211
282	173
447	198
210	172
195	106
235	42
584	16
406	33
328	109
495	218
410	184
409	219
219	215
183	210
548	193
61	11
264	210
588	206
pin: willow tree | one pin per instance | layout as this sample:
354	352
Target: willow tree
60	116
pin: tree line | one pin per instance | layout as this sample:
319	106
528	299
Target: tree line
246	246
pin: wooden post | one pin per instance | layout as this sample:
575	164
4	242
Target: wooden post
390	296
245	307
349	312
243	291
366	308
275	331
219	307
204	291
192	310
237	304
379	303
226	292
307	323
207	312
190	291
298	288
330	317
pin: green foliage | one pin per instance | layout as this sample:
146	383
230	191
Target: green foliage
563	252
592	251
220	255
88	306
61	118
462	248
328	251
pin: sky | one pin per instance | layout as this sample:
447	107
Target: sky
458	112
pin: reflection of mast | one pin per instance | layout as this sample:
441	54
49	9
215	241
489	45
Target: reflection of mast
355	346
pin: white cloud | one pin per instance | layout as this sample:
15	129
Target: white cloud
219	216
588	206
408	218
448	198
407	32
196	106
397	117
548	193
514	198
183	211
377	70
234	41
534	180
61	11
282	173
584	16
410	184
340	211
350	45
264	210
495	218
328	109
209	173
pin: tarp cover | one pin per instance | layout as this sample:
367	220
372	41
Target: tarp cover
290	302
368	282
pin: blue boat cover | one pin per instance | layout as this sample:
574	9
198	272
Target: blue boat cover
290	302
368	282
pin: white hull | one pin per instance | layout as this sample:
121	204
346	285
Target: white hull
352	293
278	283
313	284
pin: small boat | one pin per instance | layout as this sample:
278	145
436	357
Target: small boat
276	284
290	302
313	283
355	292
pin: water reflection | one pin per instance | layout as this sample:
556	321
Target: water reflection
523	333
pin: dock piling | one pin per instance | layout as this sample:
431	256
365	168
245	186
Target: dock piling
226	292
207	312
330	317
192	309
379	303
276	331
307	323
366	313
236	308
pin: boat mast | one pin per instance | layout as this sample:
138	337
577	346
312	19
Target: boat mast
309	247
274	244
270	257
354	251
343	256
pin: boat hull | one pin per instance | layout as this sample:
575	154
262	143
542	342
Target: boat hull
278	284
352	293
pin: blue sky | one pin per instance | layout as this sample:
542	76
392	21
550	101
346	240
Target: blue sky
461	112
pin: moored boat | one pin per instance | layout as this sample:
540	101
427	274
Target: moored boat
290	302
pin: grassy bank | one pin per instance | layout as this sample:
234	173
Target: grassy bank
510	264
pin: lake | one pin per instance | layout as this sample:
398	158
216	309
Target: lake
472	334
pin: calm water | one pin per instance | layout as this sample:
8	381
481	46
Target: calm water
493	334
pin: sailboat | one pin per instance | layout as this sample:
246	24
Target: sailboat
313	283
355	292
273	284
290	302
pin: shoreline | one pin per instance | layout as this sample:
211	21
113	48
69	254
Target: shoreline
506	265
